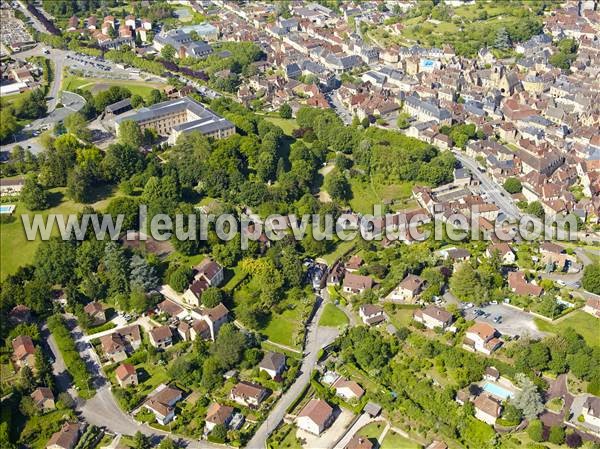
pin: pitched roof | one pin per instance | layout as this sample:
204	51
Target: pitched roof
317	411
216	313
170	308
488	405
93	307
437	313
208	268
218	414
161	333
124	370
593	404
411	282
248	390
41	393
482	330
350	384
272	361
66	437
359	442
357	282
23	346
166	395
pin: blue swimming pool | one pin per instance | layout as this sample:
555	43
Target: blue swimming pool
7	208
497	390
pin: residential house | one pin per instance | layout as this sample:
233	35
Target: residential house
171	309
592	306
206	274
354	263
161	337
371	314
433	316
215	318
491	374
248	394
504	250
591	411
273	363
96	312
126	375
336	274
118	344
315	417
162	402
408	289
19	314
487	409
23	351
481	337
347	389
356	283
65	438
359	442
519	285
218	414
43	398
437	445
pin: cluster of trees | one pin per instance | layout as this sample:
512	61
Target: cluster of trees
68	8
559	354
21	161
29	106
591	278
478	284
566	54
461	134
512	185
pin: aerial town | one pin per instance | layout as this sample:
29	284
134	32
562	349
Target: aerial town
473	123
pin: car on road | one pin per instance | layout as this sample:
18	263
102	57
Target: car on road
497	319
561	283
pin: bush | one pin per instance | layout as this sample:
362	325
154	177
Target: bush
557	435
535	430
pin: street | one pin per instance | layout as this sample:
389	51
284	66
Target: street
316	339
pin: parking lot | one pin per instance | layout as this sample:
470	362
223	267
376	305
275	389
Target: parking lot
513	321
92	67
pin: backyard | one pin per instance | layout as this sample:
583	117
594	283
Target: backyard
584	323
333	317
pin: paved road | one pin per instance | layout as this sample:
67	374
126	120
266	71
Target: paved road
497	194
317	338
36	23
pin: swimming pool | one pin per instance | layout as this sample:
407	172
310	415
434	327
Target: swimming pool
7	208
497	390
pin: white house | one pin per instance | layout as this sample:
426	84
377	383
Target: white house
506	253
481	337
433	317
591	411
371	314
487	409
315	417
347	389
273	363
407	290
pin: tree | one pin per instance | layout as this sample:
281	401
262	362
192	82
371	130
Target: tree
141	441
513	185
128	207
219	433
76	124
168	52
573	440
156	96
528	399
403	121
130	134
141	274
338	186
121	162
79	184
536	209
212	297
535	430
591	278
465	284
33	195
502	41
137	101
116	266
229	346
8	124
167	443
557	435
180	278
285	111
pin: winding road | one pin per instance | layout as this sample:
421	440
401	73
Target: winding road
317	337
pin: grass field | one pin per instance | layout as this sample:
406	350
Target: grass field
366	194
282	328
95	85
341	248
396	441
372	431
16	249
288	125
333	317
400	316
583	323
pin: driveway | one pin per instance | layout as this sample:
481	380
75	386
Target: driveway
362	421
328	438
316	338
514	321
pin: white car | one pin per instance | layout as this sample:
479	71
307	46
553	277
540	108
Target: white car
561	283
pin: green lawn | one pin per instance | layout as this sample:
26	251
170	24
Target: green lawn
95	85
372	431
583	323
283	327
396	441
341	248
366	194
400	315
333	317
288	125
16	249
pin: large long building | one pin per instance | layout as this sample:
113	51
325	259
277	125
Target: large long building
182	115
